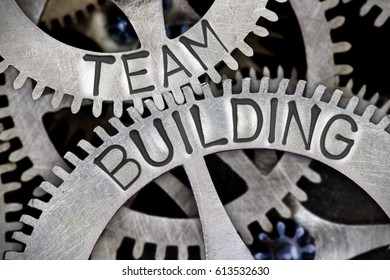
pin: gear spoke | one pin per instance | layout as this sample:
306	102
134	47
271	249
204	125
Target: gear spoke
178	192
147	18
221	238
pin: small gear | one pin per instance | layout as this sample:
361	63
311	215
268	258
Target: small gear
120	77
344	141
384	5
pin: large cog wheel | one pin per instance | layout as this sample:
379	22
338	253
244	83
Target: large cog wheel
126	76
107	193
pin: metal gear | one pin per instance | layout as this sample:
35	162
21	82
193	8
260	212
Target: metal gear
384	5
108	77
102	194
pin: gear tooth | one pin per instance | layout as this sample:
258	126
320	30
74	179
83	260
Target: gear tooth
369	112
227	87
329	4
344	69
264	85
159	102
38	91
266	72
385	108
300	89
182	253
14	226
384	123
117	124
298	193
138	249
86	146
57	99
283	210
294	74
76	104
352	103
29	174
37	204
10	187
246	85
207	90
260	31
341	47
118	109
13	207
188	94
134	114
270	15
337	22
7	168
28	220
196	86
20	236
366	8
60	173
374	99
336	96
17	155
283	85
266	224
160	252
252	73
312	175
280	72
246	235
8	134
245	48
238	77
168	97
97	108
214	75
231	62
73	159
318	93
20	80
381	19
179	96
101	133
139	105
49	188
151	106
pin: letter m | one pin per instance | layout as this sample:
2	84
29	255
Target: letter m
189	43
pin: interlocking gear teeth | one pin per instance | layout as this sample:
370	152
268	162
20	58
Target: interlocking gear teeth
33	147
77	77
6	208
58	10
319	47
384	5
